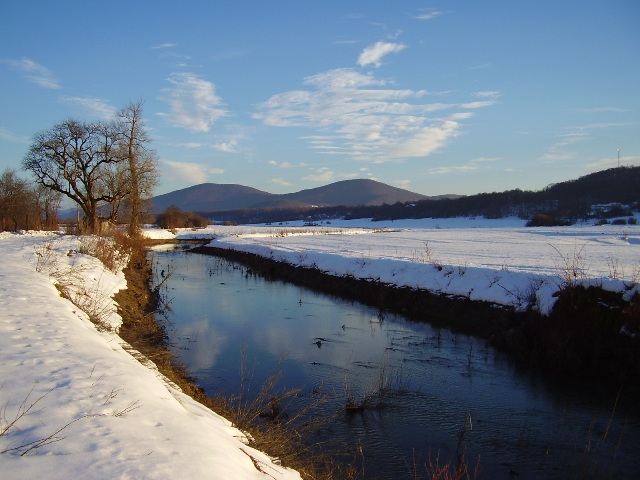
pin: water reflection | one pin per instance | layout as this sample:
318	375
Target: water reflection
446	394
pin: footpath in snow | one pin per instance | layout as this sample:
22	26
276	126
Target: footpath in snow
74	403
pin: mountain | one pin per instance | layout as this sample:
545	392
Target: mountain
354	192
210	197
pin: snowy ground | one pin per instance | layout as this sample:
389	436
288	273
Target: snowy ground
96	411
101	414
499	261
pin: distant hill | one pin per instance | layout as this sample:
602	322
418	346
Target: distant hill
601	195
212	197
605	194
354	192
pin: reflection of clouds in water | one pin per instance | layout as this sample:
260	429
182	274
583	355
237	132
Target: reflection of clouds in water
363	339
206	345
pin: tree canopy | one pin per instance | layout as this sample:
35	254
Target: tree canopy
96	165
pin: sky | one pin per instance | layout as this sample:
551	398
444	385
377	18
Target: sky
448	97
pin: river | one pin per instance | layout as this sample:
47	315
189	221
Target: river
419	393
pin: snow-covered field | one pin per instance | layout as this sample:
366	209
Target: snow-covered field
83	407
94	411
499	261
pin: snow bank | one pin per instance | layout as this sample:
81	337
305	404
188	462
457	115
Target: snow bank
498	261
96	411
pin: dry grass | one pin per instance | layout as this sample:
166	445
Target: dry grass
269	423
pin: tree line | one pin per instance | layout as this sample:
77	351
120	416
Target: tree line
107	169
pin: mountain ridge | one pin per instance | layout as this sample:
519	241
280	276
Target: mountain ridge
215	197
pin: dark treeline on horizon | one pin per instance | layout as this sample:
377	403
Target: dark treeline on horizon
561	203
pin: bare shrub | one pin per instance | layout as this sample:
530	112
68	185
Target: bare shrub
89	299
572	267
15	421
46	258
108	250
274	425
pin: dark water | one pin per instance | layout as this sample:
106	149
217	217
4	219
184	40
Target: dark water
444	394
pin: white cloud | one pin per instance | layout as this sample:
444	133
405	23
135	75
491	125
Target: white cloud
326	175
488	93
193	102
228	147
95	107
191	145
359	116
163	45
402	183
280	181
34	72
372	55
323	174
286	165
427	14
194	173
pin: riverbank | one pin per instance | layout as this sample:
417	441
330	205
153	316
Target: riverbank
579	338
562	299
79	401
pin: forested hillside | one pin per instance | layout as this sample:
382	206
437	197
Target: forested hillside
605	194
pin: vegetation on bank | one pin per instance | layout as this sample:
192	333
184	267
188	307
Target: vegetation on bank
582	337
270	431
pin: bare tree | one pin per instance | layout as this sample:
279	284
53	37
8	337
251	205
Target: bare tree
71	159
97	165
18	203
142	162
48	203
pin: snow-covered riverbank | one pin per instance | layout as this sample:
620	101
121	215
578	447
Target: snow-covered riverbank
499	261
83	406
99	413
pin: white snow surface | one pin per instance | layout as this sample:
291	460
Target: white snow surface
499	261
98	411
106	415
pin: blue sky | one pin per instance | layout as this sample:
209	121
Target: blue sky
436	97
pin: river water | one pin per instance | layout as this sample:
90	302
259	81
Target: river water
429	394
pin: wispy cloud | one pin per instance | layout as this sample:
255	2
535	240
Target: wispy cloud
325	174
194	173
190	145
163	45
488	94
287	165
359	116
12	137
372	55
427	14
193	102
471	166
281	182
227	147
34	72
94	107
560	149
602	110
